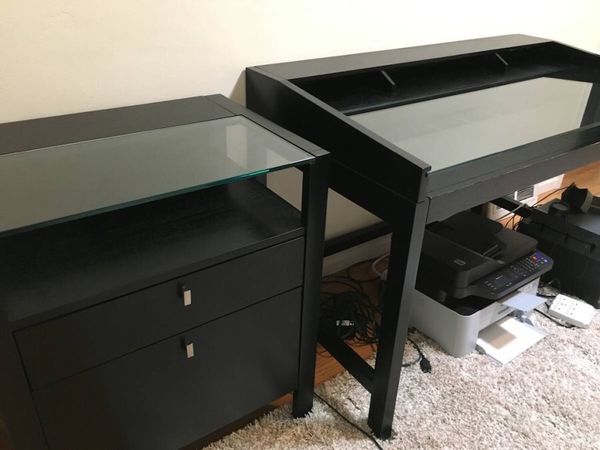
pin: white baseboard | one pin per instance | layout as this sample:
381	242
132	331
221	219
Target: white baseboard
548	185
367	250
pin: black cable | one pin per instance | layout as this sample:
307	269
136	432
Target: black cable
548	290
513	223
353	316
554	319
350	314
536	203
424	363
413	362
367	434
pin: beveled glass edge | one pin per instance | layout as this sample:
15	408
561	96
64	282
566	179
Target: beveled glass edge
145	200
103	138
441	180
309	159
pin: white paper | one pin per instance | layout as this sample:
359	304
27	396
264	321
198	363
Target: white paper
508	338
523	301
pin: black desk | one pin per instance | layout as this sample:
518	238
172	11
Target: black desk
422	133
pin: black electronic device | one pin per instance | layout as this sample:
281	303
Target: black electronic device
470	255
580	200
573	241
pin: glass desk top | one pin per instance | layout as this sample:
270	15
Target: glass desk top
452	130
74	180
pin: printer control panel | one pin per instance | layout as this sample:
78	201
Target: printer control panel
513	276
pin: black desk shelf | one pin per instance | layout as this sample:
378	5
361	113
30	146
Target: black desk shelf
57	270
154	289
399	124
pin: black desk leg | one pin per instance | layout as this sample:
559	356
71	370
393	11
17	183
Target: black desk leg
314	203
19	424
402	271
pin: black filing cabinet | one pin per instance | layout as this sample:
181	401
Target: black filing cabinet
149	313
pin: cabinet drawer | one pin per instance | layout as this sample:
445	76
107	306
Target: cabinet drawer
76	342
158	398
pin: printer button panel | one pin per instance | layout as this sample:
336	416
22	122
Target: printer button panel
513	276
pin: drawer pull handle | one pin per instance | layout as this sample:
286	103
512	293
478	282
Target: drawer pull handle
187	296
189	350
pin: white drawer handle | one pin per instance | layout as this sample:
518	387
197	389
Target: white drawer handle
187	296
189	350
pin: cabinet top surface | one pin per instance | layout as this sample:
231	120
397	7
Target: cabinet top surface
63	182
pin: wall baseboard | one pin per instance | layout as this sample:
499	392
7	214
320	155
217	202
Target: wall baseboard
367	250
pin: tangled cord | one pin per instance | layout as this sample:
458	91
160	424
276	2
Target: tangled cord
353	316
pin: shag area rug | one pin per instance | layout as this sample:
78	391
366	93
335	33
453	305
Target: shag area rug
547	398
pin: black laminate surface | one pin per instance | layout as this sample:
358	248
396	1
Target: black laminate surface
158	398
78	341
60	269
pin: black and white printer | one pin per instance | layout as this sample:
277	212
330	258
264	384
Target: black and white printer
470	269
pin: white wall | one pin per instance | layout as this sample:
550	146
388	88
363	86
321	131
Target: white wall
61	56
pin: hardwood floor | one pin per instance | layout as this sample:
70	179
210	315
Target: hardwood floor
327	368
586	176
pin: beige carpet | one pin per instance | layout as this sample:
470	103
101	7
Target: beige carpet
547	398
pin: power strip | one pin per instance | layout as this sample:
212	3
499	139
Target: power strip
572	311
